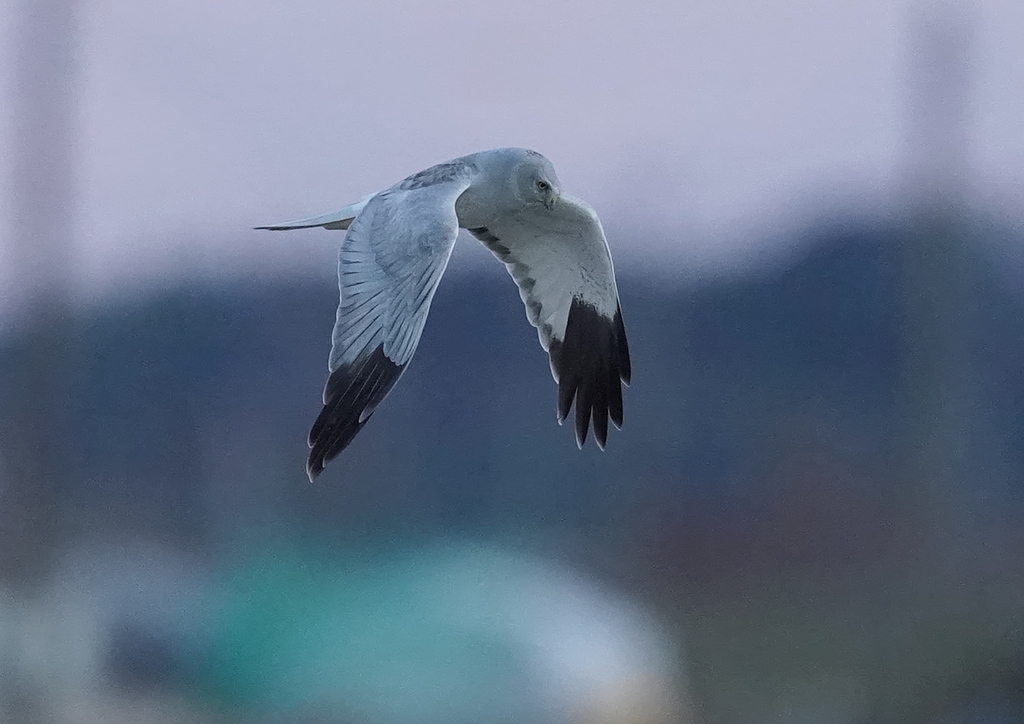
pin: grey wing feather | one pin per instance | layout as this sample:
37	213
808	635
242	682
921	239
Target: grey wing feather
559	259
389	266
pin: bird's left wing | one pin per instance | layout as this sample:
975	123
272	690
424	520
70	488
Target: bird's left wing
559	258
393	256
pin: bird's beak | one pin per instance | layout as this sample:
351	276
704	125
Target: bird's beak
550	203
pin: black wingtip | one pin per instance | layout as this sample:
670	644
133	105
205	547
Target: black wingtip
583	403
592	363
352	392
599	417
566	393
625	368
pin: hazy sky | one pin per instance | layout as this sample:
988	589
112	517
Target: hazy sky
710	120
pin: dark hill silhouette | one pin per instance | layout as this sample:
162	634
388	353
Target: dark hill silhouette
193	406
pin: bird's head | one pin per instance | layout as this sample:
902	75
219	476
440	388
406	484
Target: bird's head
536	180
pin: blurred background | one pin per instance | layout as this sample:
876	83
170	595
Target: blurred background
813	513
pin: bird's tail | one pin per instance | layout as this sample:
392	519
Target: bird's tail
340	219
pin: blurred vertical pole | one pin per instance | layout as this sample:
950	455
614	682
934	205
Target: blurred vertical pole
36	445
937	271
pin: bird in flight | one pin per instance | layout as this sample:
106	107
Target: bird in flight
396	249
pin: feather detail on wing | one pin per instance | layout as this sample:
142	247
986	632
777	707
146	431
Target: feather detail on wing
560	261
388	269
352	393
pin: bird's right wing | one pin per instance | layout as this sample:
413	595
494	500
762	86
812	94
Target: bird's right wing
393	256
559	258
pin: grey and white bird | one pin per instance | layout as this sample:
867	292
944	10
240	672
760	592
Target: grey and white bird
396	249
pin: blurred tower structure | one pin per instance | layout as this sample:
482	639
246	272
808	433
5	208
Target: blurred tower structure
35	446
937	263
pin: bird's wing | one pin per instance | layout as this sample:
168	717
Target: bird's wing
559	258
388	268
340	219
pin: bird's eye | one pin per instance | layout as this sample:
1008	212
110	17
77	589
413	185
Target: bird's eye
543	186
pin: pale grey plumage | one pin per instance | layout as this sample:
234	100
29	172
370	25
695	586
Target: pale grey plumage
395	252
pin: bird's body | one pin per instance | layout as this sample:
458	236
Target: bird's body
396	249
